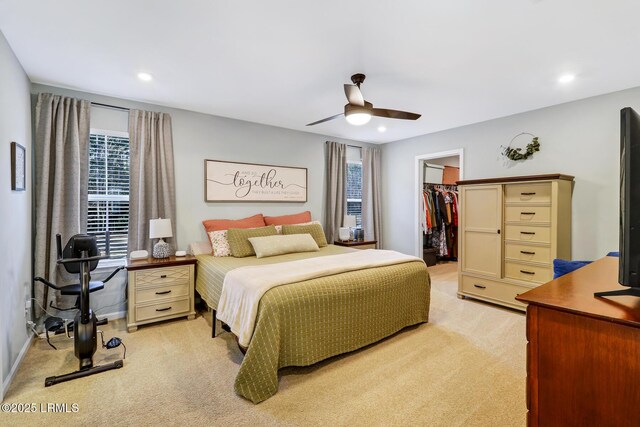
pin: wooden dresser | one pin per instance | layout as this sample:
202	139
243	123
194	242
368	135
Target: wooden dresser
510	230
160	289
583	355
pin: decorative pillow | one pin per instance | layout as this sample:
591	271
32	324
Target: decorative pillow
298	218
315	230
279	227
239	239
225	224
280	245
219	243
562	267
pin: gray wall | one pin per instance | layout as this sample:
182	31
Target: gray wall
15	209
579	138
201	136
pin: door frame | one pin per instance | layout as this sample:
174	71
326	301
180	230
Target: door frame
417	188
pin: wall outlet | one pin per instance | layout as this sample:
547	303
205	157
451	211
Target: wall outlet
27	309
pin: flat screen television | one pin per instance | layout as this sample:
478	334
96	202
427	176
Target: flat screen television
629	270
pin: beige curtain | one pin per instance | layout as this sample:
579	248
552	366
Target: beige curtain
336	184
152	190
61	184
371	222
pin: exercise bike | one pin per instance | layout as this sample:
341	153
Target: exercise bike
80	256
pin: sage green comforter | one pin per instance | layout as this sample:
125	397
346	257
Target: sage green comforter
302	323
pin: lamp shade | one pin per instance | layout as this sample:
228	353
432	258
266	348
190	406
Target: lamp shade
160	228
350	221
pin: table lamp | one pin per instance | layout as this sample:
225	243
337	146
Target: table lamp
159	229
350	222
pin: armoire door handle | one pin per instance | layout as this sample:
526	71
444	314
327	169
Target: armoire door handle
527	252
527	272
480	286
528	232
163	276
527	194
498	231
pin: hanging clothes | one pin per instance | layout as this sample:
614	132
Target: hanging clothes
439	216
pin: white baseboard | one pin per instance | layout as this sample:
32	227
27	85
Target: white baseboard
16	364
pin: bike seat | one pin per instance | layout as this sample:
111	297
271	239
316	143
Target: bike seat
75	289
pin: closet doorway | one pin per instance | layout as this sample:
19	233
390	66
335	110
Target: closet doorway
435	222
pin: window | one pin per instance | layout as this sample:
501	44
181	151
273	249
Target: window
109	190
354	190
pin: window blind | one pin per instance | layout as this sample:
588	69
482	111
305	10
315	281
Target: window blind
354	191
109	191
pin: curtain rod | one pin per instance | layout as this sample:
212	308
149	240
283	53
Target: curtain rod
98	104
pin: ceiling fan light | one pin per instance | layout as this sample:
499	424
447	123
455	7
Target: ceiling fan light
359	119
357	116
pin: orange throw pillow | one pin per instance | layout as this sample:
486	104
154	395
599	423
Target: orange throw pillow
298	218
225	224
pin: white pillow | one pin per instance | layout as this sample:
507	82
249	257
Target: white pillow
283	244
200	248
219	243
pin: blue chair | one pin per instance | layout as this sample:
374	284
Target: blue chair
562	267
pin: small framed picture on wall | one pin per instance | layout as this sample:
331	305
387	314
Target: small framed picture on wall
18	167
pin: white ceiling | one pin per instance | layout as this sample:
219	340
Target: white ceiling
283	62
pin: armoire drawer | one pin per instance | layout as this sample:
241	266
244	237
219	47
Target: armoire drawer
498	291
527	233
522	252
533	193
527	273
526	214
158	277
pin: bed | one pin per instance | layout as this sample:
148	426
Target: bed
301	323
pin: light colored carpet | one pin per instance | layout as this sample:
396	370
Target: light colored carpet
465	368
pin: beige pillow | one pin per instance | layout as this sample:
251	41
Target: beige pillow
239	239
280	245
315	230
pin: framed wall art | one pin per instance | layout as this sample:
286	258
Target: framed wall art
18	167
250	182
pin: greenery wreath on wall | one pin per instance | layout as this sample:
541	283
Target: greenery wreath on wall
516	154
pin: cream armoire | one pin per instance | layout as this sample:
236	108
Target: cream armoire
510	231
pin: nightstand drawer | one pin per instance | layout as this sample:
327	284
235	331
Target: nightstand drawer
160	277
168	308
158	293
369	246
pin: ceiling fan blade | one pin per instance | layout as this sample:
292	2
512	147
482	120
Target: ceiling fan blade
326	120
394	114
354	95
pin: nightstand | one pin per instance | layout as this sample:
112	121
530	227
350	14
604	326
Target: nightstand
366	244
160	289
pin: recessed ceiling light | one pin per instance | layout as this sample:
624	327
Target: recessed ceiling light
382	129
145	77
566	78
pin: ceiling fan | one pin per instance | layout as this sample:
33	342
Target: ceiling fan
358	111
